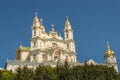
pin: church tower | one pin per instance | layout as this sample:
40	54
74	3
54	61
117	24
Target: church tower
68	36
110	58
38	33
68	31
37	27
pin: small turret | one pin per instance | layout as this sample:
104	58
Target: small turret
53	32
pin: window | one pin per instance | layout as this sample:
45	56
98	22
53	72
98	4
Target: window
56	58
67	35
53	44
34	33
43	56
34	44
34	56
67	46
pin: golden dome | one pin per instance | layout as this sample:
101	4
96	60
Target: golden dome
109	51
43	32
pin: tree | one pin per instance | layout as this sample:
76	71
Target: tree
6	75
24	74
45	73
63	72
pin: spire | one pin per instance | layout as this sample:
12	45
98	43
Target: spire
41	20
36	17
67	23
36	21
109	51
36	14
108	45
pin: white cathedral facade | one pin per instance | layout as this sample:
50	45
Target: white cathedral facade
50	48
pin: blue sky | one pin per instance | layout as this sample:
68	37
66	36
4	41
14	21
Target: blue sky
94	22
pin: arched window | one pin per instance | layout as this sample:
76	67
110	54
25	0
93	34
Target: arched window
66	35
43	56
34	44
34	33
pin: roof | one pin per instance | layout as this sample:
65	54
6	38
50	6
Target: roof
25	48
91	62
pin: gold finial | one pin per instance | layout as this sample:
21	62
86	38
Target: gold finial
108	45
53	27
36	17
53	33
67	18
36	14
36	21
41	20
67	21
20	45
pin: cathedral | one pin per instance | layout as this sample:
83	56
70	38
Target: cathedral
51	49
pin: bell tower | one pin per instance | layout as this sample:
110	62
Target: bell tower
38	31
35	26
68	36
110	58
68	31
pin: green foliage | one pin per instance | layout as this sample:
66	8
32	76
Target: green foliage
24	74
91	72
6	75
65	72
45	73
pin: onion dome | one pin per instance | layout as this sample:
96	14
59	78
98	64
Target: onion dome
109	51
53	32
